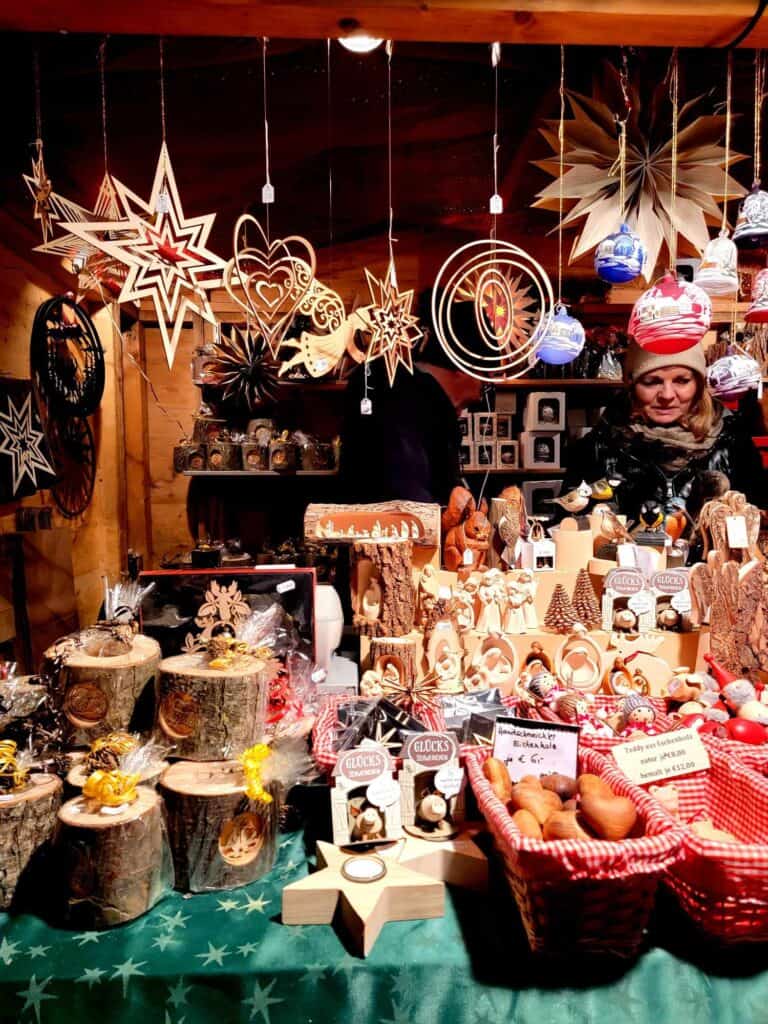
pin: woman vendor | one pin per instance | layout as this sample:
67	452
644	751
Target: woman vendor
663	435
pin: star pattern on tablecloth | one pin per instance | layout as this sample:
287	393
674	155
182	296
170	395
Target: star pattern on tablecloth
37	952
248	949
345	964
227	905
313	972
8	950
403	1012
91	976
162	942
177	920
214	955
22	442
287	869
261	1001
166	253
257	904
35	995
177	994
85	937
393	327
127	970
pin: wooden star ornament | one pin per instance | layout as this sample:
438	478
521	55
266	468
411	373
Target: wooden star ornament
366	890
39	184
392	326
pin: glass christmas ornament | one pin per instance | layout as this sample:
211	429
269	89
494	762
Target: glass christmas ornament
751	231
563	339
717	273
671	316
733	376
620	257
758	307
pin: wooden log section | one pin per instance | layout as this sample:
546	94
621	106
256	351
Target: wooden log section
387	520
209	714
27	821
100	693
383	596
219	838
402	648
114	863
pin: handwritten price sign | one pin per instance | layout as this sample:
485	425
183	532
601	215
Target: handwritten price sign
662	757
536	748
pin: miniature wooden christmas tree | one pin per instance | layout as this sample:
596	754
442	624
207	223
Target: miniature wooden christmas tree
560	614
585	602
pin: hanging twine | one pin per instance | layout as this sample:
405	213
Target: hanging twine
103	84
495	64
759	94
267	179
329	110
38	105
728	99
162	87
674	95
624	80
390	240
561	140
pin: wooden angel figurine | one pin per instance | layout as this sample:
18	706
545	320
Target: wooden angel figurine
489	619
526	581
427	592
537	660
514	616
448	669
461	608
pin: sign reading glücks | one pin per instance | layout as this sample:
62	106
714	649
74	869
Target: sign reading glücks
431	749
625	582
361	765
670	581
662	757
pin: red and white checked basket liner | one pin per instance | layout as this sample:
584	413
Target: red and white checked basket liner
723	887
591	895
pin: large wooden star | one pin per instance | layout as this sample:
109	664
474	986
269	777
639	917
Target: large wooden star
401	894
458	861
394	329
23	443
165	252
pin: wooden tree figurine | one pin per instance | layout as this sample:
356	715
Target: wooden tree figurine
560	616
585	602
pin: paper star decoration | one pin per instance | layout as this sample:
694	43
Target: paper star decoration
400	894
393	328
261	1001
166	253
35	994
39	184
22	442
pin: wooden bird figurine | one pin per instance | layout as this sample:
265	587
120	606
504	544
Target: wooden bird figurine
575	500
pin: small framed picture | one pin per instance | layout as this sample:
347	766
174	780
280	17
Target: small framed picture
506	401
538	495
465	426
545	410
503	426
465	455
485	455
540	449
485	426
507	454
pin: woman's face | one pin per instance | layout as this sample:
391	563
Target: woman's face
664	396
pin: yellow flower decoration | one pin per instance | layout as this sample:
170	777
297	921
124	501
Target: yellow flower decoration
111	789
252	761
9	765
119	742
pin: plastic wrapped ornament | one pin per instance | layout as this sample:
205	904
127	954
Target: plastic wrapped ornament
758	307
717	273
563	339
731	377
671	316
751	231
620	257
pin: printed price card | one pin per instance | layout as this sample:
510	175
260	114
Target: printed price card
536	748
662	757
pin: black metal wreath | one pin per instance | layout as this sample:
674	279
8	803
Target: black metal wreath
67	358
74	457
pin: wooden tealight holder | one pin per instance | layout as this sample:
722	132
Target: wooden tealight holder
27	820
208	713
100	692
114	862
219	838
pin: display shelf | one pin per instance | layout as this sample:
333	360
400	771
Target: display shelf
552	382
513	471
218	473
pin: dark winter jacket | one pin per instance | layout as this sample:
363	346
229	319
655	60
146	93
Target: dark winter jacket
609	450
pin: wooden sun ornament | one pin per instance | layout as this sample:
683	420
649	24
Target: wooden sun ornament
165	252
512	299
392	326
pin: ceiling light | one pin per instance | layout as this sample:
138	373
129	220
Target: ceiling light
360	43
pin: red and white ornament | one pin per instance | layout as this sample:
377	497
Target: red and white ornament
671	316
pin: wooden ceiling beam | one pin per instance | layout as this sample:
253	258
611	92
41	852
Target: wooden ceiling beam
687	23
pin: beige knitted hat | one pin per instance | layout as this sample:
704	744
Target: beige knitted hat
639	361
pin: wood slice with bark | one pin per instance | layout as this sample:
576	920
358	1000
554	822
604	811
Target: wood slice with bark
359	522
113	864
383	595
99	692
27	821
402	647
209	713
219	838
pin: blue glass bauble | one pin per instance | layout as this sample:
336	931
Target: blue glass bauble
563	339
620	257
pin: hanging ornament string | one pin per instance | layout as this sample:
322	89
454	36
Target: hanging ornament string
392	276
496	204
38	104
561	141
103	84
328	141
759	96
267	192
674	96
727	162
622	123
162	87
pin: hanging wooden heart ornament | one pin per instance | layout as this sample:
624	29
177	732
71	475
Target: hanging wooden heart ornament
269	281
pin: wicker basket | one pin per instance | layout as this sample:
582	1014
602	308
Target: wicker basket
723	887
590	896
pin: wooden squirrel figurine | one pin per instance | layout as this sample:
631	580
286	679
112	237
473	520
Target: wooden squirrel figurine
465	528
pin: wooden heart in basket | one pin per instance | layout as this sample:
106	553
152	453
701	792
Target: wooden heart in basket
269	280
565	825
540	802
527	824
610	817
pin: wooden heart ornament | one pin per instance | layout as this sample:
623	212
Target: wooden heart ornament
611	817
269	280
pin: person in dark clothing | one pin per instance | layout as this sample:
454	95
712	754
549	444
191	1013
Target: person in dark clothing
664	433
407	447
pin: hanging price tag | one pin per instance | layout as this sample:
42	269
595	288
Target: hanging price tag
366	407
285	586
268	193
468	558
662	757
736	529
496	204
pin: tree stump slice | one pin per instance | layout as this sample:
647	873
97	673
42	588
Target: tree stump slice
403	647
347	523
209	714
219	838
78	774
27	821
114	863
389	564
100	693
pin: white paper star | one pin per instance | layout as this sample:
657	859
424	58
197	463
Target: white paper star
162	942
91	976
20	440
35	995
255	904
227	905
34	952
165	253
86	937
260	1001
248	949
126	971
8	950
177	994
178	920
214	955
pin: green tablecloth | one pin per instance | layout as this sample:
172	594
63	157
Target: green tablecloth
225	957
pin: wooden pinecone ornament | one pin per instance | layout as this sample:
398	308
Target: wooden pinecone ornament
584	601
